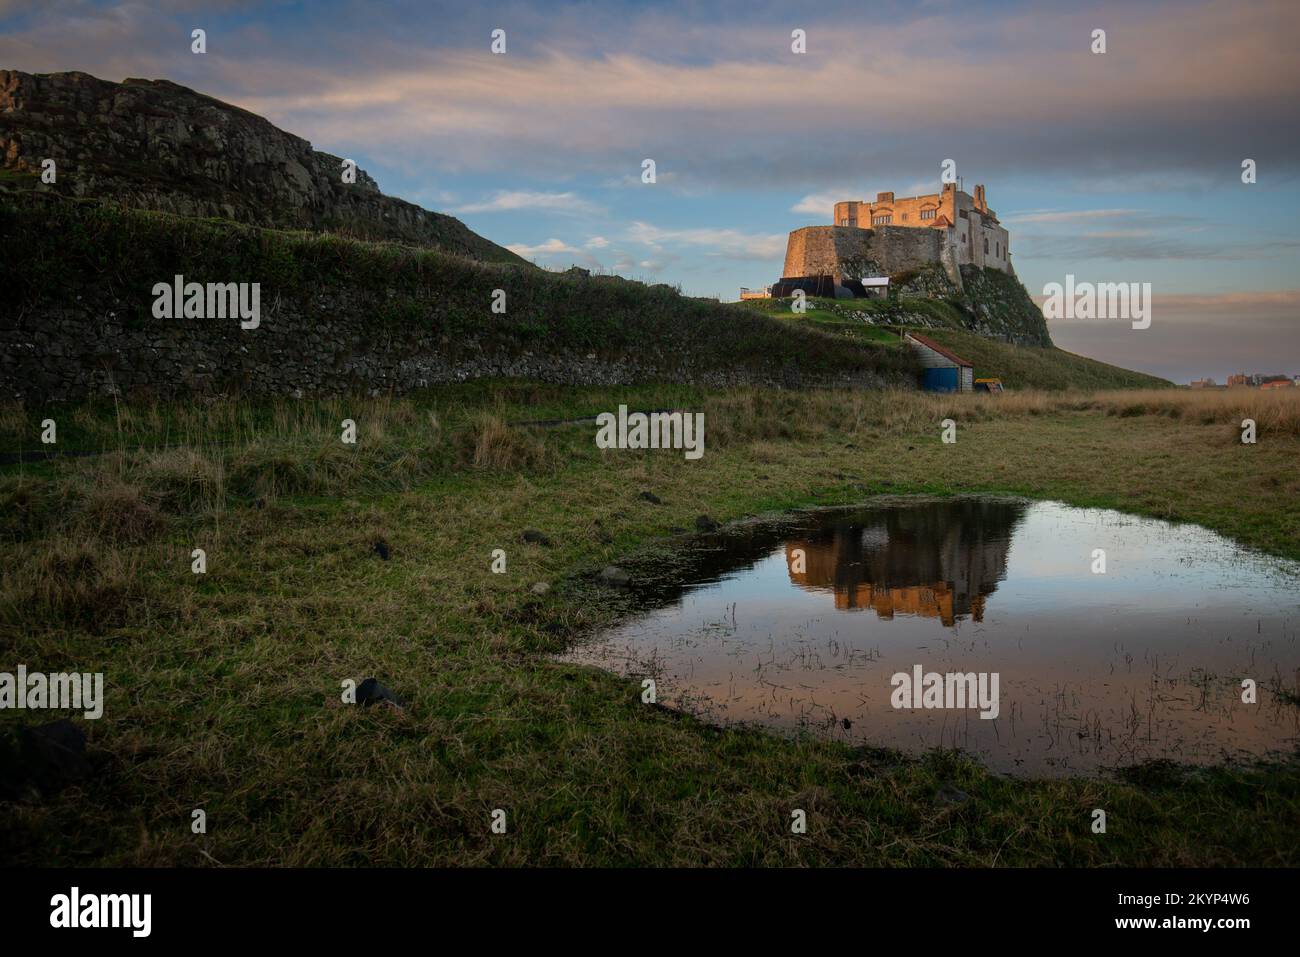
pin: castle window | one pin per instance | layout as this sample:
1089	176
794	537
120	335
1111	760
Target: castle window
881	220
986	245
963	214
929	213
905	217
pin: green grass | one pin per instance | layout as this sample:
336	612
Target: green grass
1019	367
88	261
1031	367
223	690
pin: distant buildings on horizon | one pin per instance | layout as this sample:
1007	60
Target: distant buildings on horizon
1253	381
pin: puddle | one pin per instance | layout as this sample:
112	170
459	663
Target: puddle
1144	661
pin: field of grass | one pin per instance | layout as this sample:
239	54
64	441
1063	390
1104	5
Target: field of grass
223	689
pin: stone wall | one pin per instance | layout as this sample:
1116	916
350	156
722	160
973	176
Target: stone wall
848	252
966	221
76	353
77	318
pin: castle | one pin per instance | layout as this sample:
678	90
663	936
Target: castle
950	228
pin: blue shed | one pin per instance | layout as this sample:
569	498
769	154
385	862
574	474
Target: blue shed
945	371
941	379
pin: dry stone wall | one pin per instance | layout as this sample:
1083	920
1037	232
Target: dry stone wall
80	318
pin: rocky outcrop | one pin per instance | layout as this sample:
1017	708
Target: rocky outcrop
153	144
997	306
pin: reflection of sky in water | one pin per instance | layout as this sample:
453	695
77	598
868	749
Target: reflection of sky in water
1141	662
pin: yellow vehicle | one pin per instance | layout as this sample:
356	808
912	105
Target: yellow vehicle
989	385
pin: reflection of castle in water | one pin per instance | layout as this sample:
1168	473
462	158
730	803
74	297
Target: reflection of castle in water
938	560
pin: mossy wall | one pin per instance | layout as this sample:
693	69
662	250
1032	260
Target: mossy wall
339	315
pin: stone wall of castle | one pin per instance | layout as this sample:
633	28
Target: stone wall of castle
968	225
851	253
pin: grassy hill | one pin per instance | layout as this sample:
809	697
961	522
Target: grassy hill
1027	367
78	277
1019	367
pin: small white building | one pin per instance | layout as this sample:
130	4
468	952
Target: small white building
877	287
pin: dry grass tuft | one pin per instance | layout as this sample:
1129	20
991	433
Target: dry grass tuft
120	511
77	584
488	442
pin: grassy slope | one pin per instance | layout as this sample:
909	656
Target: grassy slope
1029	367
223	689
78	255
1019	367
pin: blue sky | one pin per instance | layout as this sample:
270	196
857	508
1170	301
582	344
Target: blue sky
1122	166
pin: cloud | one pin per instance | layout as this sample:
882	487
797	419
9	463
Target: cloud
1125	246
597	99
551	247
819	204
727	243
1197	335
1069	215
515	200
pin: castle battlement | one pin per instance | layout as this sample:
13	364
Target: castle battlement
950	229
972	229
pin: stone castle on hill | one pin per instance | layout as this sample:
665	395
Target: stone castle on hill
950	229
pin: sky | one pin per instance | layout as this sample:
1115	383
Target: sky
1122	166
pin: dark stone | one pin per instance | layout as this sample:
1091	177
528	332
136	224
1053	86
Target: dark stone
650	497
44	759
381	549
533	537
615	576
706	524
949	796
371	692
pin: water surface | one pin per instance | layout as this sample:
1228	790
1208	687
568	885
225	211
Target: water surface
801	623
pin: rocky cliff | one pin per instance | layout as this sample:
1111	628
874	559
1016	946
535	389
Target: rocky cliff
156	145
